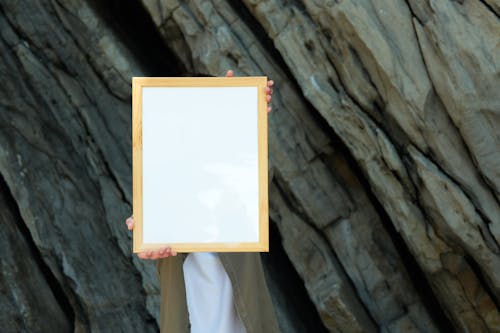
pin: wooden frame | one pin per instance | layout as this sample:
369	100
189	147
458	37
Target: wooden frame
236	108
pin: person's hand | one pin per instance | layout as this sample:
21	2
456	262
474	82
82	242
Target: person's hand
163	252
269	89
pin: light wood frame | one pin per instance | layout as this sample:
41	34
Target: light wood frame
138	84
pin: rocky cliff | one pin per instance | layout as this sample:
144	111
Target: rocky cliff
384	153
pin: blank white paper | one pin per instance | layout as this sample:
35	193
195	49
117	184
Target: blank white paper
200	164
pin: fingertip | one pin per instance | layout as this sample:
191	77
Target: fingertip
229	73
269	109
270	83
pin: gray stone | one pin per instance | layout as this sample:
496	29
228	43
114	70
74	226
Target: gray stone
383	146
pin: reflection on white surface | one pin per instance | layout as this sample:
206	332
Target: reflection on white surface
200	169
210	198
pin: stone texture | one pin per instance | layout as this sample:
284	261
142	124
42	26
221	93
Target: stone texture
60	118
27	297
383	148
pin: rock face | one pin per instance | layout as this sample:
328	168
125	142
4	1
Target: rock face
383	145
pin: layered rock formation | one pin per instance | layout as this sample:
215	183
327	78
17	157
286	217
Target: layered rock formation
383	146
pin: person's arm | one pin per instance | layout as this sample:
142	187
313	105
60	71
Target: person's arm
167	251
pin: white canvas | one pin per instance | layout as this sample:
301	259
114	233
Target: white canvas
200	164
